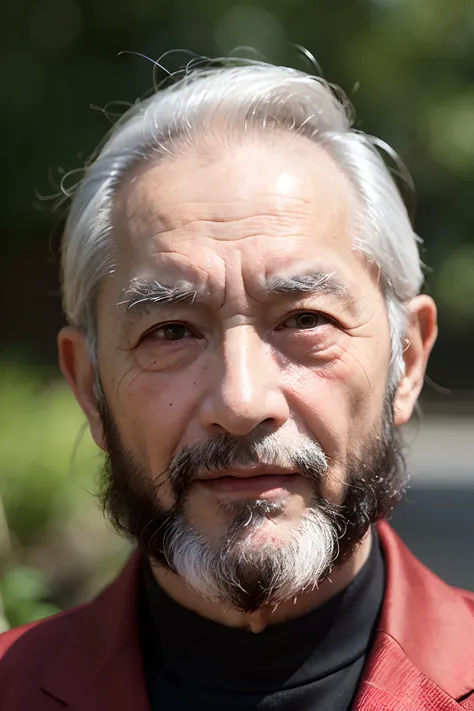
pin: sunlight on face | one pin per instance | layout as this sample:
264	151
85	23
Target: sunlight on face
266	321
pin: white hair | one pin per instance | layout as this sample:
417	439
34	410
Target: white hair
231	100
298	566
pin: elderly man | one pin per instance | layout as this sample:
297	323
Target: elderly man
246	334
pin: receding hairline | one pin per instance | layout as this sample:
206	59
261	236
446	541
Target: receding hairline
208	148
254	93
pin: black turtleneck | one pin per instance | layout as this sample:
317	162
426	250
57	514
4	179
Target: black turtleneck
312	662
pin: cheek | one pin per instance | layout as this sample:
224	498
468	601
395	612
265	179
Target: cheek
341	402
153	412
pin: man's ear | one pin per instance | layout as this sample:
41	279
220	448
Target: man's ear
78	369
420	338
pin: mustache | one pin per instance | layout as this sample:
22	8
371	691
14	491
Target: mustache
226	451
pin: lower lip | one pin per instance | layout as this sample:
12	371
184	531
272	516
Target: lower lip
268	485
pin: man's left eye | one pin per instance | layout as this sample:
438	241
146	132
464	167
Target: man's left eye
171	332
304	321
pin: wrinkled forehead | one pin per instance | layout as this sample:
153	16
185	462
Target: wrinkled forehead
272	204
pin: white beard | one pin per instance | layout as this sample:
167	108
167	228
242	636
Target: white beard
219	573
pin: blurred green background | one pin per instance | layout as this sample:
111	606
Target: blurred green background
407	65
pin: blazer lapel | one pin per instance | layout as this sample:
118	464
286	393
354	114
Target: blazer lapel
120	685
423	655
391	682
103	669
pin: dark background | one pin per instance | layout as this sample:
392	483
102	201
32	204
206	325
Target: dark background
408	67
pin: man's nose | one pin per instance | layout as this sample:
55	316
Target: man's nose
244	389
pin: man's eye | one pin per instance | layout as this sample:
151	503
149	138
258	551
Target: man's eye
171	332
304	321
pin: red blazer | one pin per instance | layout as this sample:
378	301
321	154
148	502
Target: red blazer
89	659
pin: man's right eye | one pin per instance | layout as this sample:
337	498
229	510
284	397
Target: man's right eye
171	332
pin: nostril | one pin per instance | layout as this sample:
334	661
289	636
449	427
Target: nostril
217	427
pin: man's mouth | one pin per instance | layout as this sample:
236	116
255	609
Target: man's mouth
256	481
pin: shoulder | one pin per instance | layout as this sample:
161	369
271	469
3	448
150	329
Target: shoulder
467	596
25	653
7	639
72	645
27	637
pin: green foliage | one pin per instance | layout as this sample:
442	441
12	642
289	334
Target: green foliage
23	591
52	536
39	426
455	284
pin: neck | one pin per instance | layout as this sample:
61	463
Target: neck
177	589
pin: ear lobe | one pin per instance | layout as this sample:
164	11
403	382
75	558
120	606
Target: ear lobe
78	370
419	340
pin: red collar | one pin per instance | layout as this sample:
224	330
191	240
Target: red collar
422	658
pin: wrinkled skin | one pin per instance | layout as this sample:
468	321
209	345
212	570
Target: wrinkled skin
238	359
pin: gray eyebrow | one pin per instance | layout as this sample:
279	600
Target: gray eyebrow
314	283
143	293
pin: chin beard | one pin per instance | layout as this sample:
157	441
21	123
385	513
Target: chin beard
242	571
238	571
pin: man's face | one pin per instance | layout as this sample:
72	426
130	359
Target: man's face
238	309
